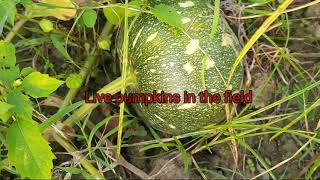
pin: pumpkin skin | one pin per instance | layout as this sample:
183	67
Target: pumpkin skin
164	58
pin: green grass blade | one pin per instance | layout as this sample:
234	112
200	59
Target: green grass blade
312	107
59	115
157	146
313	169
184	155
256	155
95	129
316	84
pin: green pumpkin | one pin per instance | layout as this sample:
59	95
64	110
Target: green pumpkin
164	58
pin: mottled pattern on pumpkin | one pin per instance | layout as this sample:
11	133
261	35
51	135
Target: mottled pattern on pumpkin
168	59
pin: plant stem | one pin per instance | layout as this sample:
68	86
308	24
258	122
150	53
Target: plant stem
111	88
90	60
15	30
84	162
83	73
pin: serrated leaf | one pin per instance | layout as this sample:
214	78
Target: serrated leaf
74	81
4	110
22	104
7	54
28	151
60	9
89	18
39	85
58	44
9	75
168	15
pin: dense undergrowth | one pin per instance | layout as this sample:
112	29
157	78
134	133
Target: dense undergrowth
52	51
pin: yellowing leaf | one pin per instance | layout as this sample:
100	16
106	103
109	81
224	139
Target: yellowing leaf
46	25
40	85
60	9
28	151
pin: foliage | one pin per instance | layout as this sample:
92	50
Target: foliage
25	149
28	151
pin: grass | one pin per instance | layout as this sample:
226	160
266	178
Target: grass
279	117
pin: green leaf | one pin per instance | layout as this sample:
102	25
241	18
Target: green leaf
7	54
74	81
58	44
115	12
134	5
9	75
46	25
26	71
28	151
6	116
4	110
168	15
40	85
22	104
7	12
89	18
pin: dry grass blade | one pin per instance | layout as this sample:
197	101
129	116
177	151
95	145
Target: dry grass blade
257	35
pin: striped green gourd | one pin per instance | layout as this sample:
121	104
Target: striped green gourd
164	58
